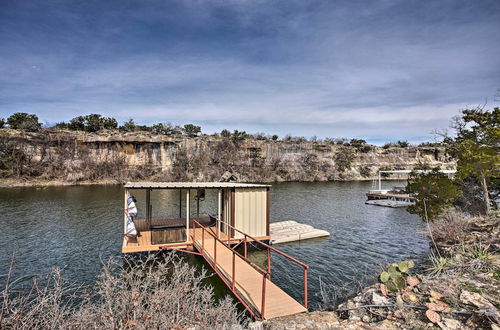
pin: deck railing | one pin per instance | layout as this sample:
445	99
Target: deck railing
266	273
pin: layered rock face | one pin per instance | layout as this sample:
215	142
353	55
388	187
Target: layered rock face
75	156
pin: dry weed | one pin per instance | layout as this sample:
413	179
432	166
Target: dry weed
156	293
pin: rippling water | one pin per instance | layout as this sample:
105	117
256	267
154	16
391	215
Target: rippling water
76	227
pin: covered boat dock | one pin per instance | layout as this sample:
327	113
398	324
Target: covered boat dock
241	221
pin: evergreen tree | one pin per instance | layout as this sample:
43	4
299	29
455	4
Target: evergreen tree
24	121
434	192
476	147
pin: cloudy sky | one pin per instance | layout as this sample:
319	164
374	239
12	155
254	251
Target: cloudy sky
379	70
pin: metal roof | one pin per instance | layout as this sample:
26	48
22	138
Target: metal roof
191	185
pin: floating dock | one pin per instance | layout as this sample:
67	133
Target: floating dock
389	203
292	231
389	199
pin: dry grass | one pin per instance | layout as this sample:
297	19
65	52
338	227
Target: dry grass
139	294
451	228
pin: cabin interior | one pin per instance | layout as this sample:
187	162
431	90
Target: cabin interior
166	211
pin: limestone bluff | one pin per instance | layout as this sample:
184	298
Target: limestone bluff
70	156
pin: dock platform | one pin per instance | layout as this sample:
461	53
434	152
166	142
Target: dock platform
292	231
389	203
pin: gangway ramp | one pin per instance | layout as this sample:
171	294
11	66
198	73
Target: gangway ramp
250	283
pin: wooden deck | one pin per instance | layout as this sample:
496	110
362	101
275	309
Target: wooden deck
142	243
248	281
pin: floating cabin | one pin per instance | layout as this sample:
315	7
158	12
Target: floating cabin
241	207
241	219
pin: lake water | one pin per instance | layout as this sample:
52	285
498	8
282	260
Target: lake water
77	227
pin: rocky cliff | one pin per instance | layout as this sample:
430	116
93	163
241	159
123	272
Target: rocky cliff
77	156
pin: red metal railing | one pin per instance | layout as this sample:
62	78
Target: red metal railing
266	274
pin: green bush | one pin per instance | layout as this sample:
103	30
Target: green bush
191	130
92	123
225	133
434	192
128	126
24	121
166	129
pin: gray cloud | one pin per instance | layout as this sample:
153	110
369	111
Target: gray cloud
391	70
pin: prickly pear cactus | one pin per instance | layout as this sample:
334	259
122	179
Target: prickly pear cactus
395	276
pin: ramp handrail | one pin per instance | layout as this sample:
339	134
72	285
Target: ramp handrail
265	273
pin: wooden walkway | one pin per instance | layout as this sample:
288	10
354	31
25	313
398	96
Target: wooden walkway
248	281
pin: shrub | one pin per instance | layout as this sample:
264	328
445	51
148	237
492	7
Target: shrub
450	228
92	123
239	135
191	130
77	123
143	128
95	123
2	122
128	126
360	145
365	171
225	133
166	129
24	121
275	137
398	144
13	158
61	125
343	158
153	293
356	143
260	136
434	191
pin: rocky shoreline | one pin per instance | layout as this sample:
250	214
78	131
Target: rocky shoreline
458	289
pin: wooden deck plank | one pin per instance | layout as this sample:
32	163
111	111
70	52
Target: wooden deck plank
143	243
248	281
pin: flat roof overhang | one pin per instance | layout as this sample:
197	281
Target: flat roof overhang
418	171
191	185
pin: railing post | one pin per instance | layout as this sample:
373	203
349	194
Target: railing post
215	255
234	269
218	224
202	239
245	245
193	230
269	262
263	305
305	289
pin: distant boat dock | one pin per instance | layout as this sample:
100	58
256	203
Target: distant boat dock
397	196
